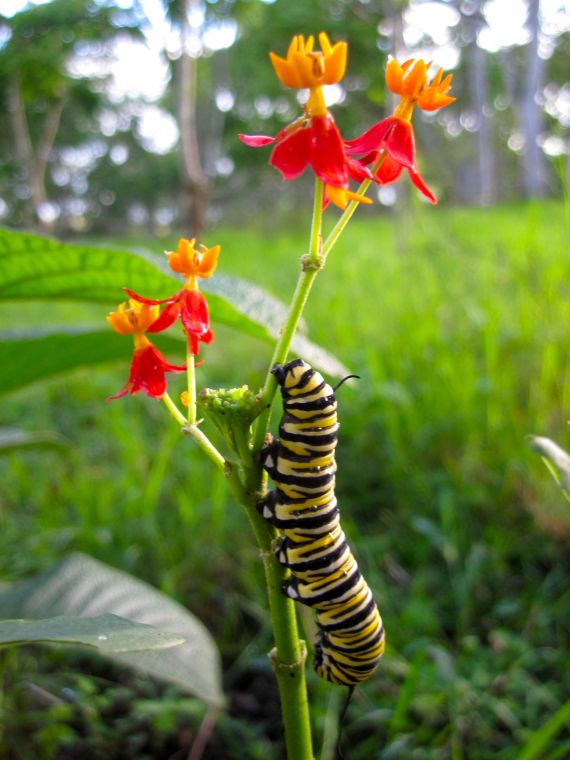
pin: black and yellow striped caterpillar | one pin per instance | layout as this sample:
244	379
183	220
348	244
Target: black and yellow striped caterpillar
324	573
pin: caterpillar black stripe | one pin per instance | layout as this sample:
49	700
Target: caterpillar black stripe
324	573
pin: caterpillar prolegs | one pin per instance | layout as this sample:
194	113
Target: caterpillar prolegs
303	507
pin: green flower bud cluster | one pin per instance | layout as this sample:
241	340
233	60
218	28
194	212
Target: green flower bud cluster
232	410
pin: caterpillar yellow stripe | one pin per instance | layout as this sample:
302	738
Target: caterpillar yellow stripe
324	573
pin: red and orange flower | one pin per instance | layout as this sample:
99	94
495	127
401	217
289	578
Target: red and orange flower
313	139
148	366
188	303
390	144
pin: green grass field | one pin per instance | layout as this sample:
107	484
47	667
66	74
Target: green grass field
457	323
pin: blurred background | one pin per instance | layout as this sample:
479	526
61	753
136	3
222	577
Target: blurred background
118	126
122	115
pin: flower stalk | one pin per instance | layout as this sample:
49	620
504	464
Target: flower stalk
173	409
309	270
191	378
346	215
289	654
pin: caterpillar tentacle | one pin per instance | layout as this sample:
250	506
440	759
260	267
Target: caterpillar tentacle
303	507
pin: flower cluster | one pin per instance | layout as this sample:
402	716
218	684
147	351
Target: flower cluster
148	366
390	145
380	154
313	139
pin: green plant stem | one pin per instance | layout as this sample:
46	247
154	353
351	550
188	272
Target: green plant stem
346	216
194	432
344	219
317	221
305	281
288	656
206	445
173	409
191	376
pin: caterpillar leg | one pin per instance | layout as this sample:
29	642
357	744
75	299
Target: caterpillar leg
282	550
291	589
299	591
268	456
266	506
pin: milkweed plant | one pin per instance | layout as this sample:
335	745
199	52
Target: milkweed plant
312	141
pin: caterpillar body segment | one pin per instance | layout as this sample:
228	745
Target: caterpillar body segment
303	507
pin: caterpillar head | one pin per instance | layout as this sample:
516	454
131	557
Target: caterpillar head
287	375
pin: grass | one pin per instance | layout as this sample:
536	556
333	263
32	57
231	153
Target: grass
456	322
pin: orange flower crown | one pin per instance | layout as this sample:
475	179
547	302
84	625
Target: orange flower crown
304	67
186	260
411	84
136	319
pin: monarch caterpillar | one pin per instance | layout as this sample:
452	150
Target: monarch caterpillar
324	573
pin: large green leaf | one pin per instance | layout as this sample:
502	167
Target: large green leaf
108	633
38	267
83	587
31	356
33	267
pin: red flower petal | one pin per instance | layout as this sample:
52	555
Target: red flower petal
151	372
356	170
371	140
207	337
291	155
119	394
194	313
388	171
369	158
421	185
400	143
256	141
194	343
168	317
147	373
328	158
149	301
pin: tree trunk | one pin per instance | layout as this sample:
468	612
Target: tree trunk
479	91
195	182
533	161
23	142
34	161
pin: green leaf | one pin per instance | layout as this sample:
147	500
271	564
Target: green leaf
37	267
83	587
13	438
31	356
108	633
41	268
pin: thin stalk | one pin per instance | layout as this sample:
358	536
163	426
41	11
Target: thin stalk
191	376
206	445
194	432
305	281
288	656
317	221
338	229
173	409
